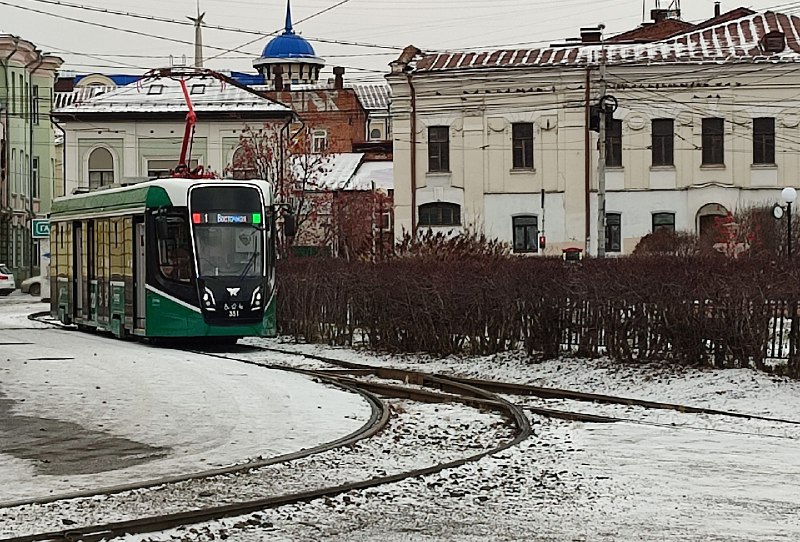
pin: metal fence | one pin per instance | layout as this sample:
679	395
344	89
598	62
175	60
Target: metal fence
751	335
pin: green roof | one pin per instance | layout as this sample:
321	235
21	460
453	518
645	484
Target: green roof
111	201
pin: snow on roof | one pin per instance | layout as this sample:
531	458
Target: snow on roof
336	170
373	96
732	41
78	94
348	171
164	95
381	173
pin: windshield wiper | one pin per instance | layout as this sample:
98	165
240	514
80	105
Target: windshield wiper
252	259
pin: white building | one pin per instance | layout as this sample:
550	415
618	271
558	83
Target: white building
707	123
137	130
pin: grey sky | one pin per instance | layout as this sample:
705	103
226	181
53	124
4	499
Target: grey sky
428	24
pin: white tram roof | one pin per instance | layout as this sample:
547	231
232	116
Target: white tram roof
137	197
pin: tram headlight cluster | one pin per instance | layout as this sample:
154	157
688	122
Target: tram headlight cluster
255	300
208	299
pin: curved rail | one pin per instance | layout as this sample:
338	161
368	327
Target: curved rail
509	388
450	391
379	416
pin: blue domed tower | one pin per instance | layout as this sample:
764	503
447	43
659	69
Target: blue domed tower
291	56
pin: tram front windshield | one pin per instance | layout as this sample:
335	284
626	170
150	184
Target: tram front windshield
228	230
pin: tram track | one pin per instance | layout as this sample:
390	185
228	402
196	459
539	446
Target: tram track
416	386
522	390
544	393
517	428
517	389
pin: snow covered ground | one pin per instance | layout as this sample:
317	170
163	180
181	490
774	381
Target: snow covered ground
661	476
82	411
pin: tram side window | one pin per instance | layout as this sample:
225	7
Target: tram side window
174	249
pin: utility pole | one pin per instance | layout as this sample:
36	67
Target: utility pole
601	163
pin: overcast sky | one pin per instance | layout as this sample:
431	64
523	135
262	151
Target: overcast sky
378	27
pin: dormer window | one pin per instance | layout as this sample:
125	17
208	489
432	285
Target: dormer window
155	89
773	42
198	89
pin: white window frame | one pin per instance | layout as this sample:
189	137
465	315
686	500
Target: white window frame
319	141
114	167
147	169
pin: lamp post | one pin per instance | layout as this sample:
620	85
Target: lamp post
789	195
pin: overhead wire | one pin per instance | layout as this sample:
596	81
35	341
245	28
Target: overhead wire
233	29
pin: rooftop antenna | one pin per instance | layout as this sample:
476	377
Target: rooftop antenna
198	37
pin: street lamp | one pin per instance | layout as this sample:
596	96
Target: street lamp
788	195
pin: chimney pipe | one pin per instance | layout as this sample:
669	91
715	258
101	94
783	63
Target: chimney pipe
716	9
338	82
659	15
591	35
278	77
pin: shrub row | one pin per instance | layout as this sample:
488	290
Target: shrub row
700	310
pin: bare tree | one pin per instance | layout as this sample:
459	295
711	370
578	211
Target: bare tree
361	224
289	161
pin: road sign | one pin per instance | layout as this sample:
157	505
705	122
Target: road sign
41	228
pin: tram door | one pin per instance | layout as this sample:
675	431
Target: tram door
140	297
91	278
77	270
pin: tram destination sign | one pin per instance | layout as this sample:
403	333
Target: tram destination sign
40	228
226	218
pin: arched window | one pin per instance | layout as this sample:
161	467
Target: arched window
375	134
440	214
243	164
101	168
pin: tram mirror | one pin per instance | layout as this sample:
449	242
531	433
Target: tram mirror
289	225
161	227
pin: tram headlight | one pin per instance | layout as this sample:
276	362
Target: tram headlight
208	299
255	299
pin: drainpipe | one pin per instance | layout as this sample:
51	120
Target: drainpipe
63	158
587	170
6	196
282	141
413	157
31	214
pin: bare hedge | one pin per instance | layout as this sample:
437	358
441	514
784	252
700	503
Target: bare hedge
699	310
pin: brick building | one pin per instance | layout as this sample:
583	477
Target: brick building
351	124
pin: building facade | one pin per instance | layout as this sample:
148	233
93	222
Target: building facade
118	131
501	141
26	149
136	131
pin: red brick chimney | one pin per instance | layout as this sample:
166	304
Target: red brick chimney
591	35
338	82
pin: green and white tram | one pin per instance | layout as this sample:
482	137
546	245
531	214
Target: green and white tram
167	258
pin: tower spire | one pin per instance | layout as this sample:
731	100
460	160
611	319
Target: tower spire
198	37
288	29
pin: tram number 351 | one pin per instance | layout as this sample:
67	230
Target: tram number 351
233	309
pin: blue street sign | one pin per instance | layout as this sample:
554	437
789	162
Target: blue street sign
40	227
